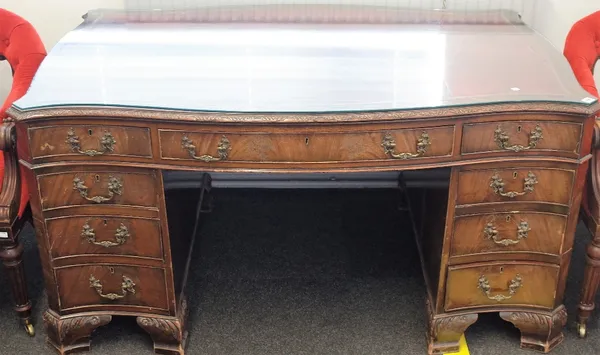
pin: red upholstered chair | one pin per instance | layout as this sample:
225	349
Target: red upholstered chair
582	50
22	48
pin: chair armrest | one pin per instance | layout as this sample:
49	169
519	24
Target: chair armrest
10	195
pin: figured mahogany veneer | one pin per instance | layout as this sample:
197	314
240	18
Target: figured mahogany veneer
498	238
510	285
508	232
93	235
53	142
83	188
310	146
482	137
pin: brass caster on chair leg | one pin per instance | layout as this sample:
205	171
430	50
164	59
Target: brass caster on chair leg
29	329
581	330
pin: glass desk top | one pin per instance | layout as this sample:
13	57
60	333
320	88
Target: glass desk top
392	63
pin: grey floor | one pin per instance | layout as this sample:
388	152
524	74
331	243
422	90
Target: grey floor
302	272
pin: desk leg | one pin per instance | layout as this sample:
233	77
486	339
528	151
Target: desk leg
167	333
445	331
540	331
72	333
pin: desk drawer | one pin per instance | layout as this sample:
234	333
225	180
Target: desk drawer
98	188
518	184
528	232
73	236
518	136
101	285
486	285
309	147
99	142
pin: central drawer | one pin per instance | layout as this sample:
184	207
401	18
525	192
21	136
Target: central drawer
402	144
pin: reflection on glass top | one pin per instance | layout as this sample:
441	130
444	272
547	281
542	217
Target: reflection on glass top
379	60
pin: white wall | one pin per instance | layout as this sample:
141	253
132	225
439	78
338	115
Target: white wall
54	18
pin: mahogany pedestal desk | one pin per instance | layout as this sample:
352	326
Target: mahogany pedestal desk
110	112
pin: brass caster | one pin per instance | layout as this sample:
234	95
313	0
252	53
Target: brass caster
581	330
29	329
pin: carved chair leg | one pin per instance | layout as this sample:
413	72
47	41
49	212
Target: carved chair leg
72	333
168	334
591	281
12	258
540	331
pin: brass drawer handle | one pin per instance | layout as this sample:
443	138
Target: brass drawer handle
127	286
222	149
513	286
107	143
115	187
121	235
389	147
501	138
497	184
491	232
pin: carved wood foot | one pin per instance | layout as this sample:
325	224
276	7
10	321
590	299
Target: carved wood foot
445	331
72	333
540	331
168	333
12	258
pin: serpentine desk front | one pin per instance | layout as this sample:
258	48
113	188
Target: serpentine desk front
117	104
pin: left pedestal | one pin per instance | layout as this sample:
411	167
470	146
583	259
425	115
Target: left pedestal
104	243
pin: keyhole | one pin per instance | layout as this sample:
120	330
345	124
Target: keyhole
112	271
515	174
507	218
89	132
105	223
519	128
501	269
97	178
306	141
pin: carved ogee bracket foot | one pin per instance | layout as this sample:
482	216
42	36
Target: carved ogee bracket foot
168	334
540	331
72	334
445	331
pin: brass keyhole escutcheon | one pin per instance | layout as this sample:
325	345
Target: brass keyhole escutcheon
501	269
515	175
97	178
306	141
507	218
519	129
89	132
111	269
105	223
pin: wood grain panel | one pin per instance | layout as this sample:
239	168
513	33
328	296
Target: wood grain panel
537	288
553	185
51	141
557	136
68	238
137	189
75	290
309	147
545	234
